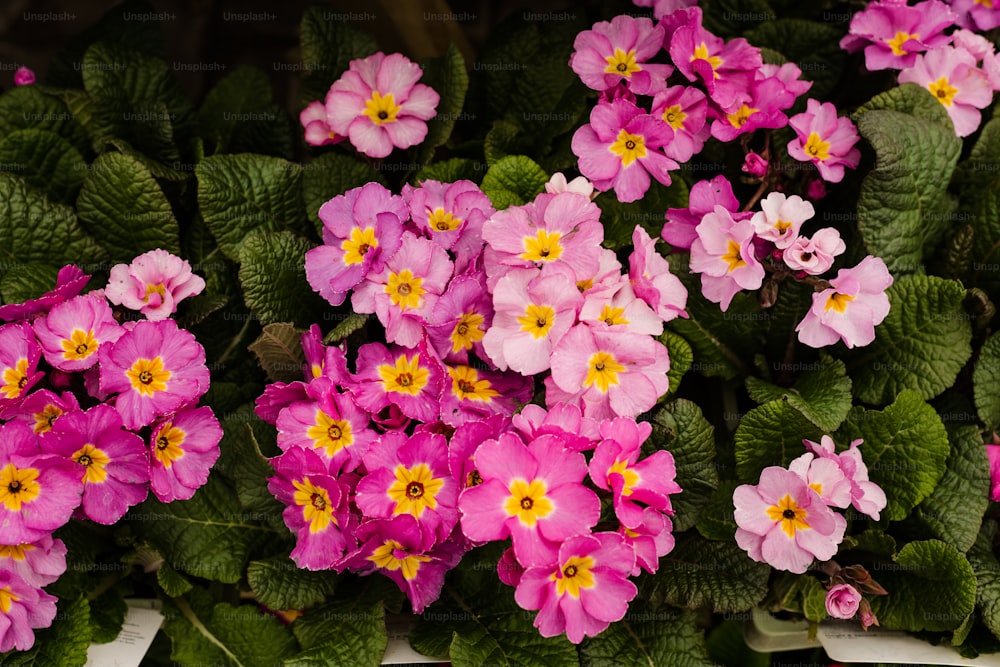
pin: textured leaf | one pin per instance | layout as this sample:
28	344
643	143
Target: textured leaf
502	140
513	181
345	633
349	323
171	581
329	43
903	208
640	640
242	194
447	76
986	568
64	643
620	219
681	358
123	207
681	429
822	393
273	277
32	280
717	520
28	108
333	174
46	161
911	99
922	345
279	352
719	575
449	171
812	46
986	382
107	615
279	584
905	449
726	646
239	116
771	435
931	587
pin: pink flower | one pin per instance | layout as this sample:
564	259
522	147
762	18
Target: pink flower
361	229
72	332
617	308
954	80
824	476
155	368
115	464
557	183
473	394
618	149
41	409
327	361
976	14
24	77
784	523
154	283
842	601
317	129
330	423
404	377
651	540
814	256
769	97
584	590
866	496
679	230
651	278
466	440
576	432
816	190
183	448
993	454
378	104
825	140
532	493
754	165
850	309
39	563
781	218
24	608
977	45
607	374
662	8
685	110
451	215
617	51
723	254
69	282
892	33
19	357
461	318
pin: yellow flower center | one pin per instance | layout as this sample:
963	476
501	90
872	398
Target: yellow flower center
315	503
544	246
739	117
94	461
18	486
468	330
816	147
7	599
630	477
896	43
404	289
329	433
733	257
387	558
80	345
168	444
406	377
414	490
465	384
440	221
381	109
943	91
985	3
574	575
148	376
791	516
537	319
701	53
15	551
674	117
45	418
612	316
528	502
14	379
602	370
838	302
629	147
357	246
622	63
151	289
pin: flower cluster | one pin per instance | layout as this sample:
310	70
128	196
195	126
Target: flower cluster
94	413
376	104
960	69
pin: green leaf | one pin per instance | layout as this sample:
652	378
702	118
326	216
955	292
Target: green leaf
118	72
46	161
504	139
931	587
986	568
171	581
905	449
329	43
620	219
350	322
107	616
447	76
123	207
681	358
242	194
333	174
903	207
681	429
813	599
280	585
243	462
986	382
32	280
279	352
64	643
641	640
822	393
239	116
730	18
513	181
449	171
911	99
954	512
726	646
771	435
206	536
720	575
273	277
350	633
29	108
921	345
717	520
812	46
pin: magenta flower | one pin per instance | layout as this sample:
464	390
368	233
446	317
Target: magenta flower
584	590
69	282
617	150
276	397
361	229
866	496
784	523
679	230
723	254
850	309
662	8
534	310
650	541
892	33
532	493
780	218
19	357
378	104
954	80
183	449
980	15
607	374
327	361
155	368
23	608
39	563
398	376
814	256
24	76
40	410
826	140
115	464
460	318
72	332
576	432
466	440
403	294
754	165
615	467
842	601
769	97
38	493
154	283
316	509
475	393
993	454
617	51
410	475
317	129
652	281
685	110
509	571
451	215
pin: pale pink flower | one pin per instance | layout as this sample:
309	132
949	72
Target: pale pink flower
842	601
723	254
154	283
781	218
826	140
850	309
814	255
954	80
